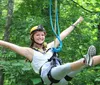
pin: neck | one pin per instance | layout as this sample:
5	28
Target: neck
38	46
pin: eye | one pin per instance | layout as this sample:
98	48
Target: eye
42	34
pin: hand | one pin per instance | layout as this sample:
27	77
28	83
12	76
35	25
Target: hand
80	19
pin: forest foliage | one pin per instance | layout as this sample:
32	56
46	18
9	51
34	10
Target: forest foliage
18	16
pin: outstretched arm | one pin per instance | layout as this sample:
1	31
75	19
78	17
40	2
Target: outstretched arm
24	51
67	31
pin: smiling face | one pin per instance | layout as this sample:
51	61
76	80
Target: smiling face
39	37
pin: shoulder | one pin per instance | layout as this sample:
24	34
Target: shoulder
29	53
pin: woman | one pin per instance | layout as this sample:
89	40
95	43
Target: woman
39	54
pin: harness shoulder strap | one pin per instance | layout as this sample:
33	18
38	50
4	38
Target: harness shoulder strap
53	56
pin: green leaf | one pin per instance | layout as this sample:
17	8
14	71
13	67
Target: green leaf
36	80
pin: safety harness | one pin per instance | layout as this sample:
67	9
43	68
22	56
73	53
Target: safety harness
53	61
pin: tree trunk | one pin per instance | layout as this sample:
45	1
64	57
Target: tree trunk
0	8
9	19
8	22
99	32
98	40
1	76
7	33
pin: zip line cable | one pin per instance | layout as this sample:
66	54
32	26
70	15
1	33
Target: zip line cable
57	34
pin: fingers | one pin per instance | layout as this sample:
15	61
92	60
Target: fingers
81	19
